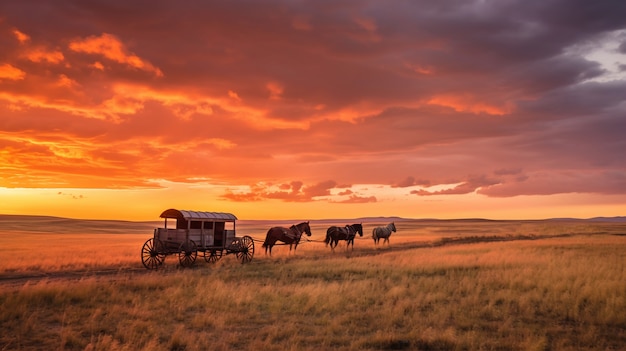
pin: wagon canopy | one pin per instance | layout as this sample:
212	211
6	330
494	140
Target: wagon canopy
198	215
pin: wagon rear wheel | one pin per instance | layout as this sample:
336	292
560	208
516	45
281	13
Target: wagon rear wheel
187	253
152	253
212	256
246	249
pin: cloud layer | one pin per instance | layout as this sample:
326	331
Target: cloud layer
307	101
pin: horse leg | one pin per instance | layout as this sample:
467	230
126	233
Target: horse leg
270	244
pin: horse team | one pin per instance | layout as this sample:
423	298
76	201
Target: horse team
293	234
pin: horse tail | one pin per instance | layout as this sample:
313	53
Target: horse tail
327	240
374	233
267	237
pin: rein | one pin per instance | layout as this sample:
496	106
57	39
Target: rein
298	232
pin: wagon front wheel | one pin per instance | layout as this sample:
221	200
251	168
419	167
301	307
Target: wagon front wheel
212	256
152	253
245	251
187	253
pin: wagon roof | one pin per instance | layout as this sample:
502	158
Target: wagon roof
198	215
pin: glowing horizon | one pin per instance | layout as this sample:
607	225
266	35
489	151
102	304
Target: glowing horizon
282	111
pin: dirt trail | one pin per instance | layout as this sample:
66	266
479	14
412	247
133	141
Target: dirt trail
19	279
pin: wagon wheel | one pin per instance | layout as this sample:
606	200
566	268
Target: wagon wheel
212	256
245	251
152	253
187	253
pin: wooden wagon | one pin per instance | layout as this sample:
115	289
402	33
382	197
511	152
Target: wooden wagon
187	233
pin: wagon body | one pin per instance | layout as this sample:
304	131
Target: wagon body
187	233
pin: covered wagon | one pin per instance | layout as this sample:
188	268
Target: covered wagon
186	233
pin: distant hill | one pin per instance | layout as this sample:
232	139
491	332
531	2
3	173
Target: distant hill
60	225
609	219
618	219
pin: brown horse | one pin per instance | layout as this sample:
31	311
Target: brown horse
347	233
289	235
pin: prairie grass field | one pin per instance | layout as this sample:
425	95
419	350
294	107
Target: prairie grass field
439	285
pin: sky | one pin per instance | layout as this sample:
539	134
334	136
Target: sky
283	109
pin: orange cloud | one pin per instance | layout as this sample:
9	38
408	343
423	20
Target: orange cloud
275	89
9	72
234	95
294	191
355	199
350	114
97	65
21	37
411	181
472	184
41	55
185	104
20	101
421	69
113	49
65	81
469	103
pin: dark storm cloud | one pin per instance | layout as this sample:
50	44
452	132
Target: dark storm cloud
401	93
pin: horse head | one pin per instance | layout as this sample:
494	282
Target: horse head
358	228
307	228
393	226
303	227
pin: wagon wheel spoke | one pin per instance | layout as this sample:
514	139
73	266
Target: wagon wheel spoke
245	251
152	255
187	253
159	249
212	256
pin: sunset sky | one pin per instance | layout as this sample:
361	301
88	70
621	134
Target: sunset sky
285	109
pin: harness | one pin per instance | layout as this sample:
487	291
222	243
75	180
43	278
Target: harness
350	232
291	230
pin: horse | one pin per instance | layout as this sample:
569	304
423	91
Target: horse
383	233
347	233
289	235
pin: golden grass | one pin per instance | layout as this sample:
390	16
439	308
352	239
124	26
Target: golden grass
45	252
562	292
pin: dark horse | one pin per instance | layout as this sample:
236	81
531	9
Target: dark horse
383	233
289	235
347	233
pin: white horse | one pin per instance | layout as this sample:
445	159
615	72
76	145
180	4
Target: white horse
383	233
